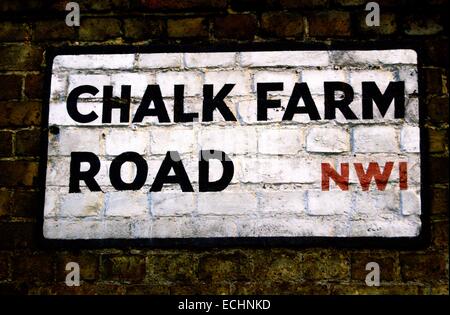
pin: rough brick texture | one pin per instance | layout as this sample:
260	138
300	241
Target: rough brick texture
26	32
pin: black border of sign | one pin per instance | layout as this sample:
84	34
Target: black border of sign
396	243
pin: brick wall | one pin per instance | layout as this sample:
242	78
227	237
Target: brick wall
29	28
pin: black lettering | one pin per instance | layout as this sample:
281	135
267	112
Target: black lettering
211	103
172	161
141	171
262	102
76	175
72	100
123	103
203	171
152	94
331	103
178	107
395	91
301	90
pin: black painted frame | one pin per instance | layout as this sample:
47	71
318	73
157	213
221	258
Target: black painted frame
396	243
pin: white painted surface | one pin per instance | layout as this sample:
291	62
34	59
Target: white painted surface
276	188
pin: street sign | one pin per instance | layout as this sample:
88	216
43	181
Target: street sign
317	143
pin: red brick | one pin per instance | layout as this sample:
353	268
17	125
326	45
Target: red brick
28	142
85	288
4	266
123	268
284	288
18	173
5	143
423	24
104	5
222	267
253	5
8	288
437	109
303	4
438	289
59	6
322	265
143	28
25	203
5	203
185	4
11	86
236	26
282	24
439	234
21	6
434	81
347	3
33	267
53	30
438	140
19	114
21	57
439	201
438	170
34	85
363	289
191	27
280	267
423	267
17	235
330	23
172	268
388	3
200	288
436	52
148	289
99	29
13	32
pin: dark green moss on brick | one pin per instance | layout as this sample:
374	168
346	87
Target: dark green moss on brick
123	268
190	27
99	29
164	268
21	57
13	31
332	265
